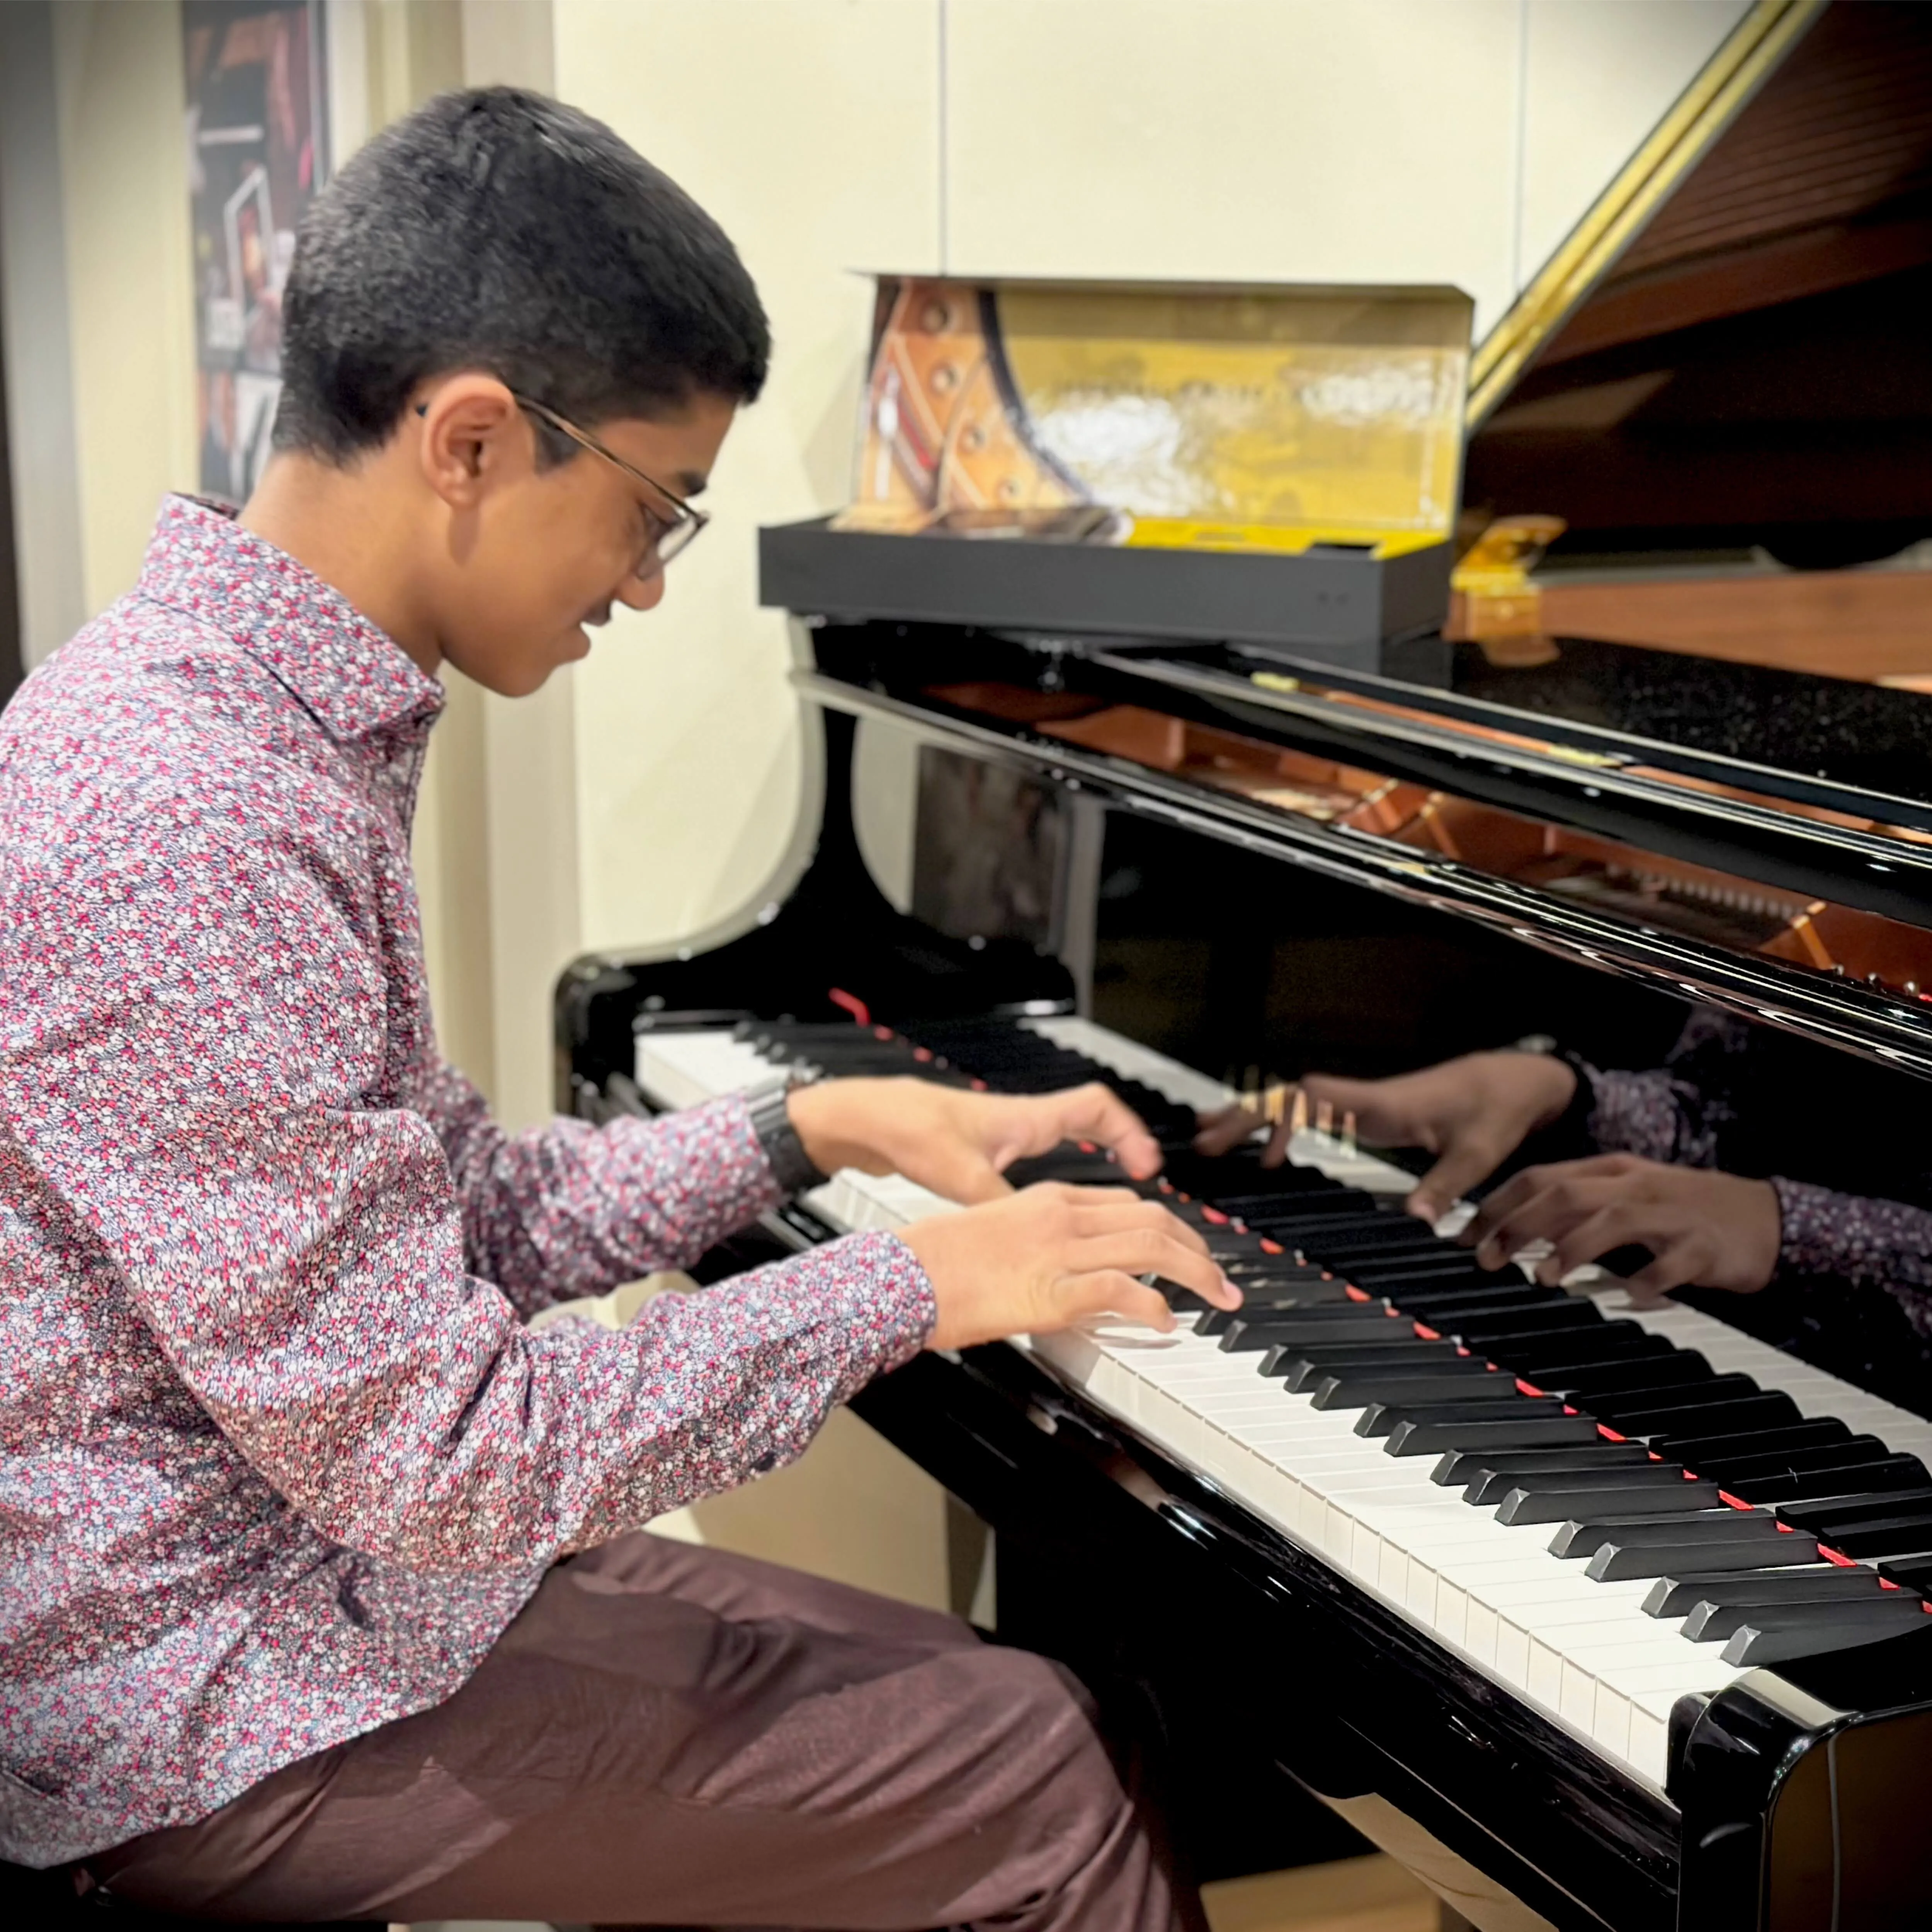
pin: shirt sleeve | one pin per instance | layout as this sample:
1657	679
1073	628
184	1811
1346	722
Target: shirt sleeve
1880	1244
1655	1113
210	1104
568	1209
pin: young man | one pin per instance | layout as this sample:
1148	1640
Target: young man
318	1594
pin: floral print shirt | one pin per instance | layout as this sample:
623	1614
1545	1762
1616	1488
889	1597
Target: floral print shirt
279	1459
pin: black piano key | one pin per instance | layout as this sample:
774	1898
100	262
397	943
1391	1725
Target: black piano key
1751	1646
1889	1473
1630	1561
1902	1535
1440	1310
1815	1582
1251	1336
1465	1466
1623	1503
1715	1623
1537	1319
1399	1278
1622	1377
1491	1485
1694	1451
1391	1240
1334	1226
1913	1573
1605	1341
1686	1424
1380	1418
1823	1514
1732	1470
1359	1388
1652	1400
1264	1269
1260	1299
1580	1537
1415	1438
1338	1321
1302	1365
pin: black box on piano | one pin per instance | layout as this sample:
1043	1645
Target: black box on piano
1265	464
1331	605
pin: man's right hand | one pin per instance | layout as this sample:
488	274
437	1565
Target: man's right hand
1471	1113
1046	1257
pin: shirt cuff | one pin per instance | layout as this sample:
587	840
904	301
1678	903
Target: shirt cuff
1883	1244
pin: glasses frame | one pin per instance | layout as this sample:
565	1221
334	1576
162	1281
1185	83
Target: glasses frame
679	532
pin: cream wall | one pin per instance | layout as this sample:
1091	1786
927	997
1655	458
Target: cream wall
1416	140
97	165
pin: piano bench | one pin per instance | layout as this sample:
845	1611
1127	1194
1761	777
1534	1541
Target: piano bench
47	1899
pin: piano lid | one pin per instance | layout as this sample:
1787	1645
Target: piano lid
1728	353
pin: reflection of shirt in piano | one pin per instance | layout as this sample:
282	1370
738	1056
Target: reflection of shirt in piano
279	1459
1857	1207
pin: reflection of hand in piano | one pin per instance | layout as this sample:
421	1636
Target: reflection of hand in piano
1704	1229
1472	1113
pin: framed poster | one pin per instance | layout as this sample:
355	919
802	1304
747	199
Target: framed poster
257	140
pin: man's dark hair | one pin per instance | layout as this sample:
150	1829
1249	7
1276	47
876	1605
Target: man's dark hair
495	229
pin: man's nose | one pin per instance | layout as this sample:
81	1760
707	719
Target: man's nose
643	593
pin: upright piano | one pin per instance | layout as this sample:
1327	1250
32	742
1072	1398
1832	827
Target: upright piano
1331	1553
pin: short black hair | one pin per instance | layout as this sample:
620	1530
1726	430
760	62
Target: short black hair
495	228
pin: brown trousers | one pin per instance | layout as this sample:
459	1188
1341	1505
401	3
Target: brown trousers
669	1736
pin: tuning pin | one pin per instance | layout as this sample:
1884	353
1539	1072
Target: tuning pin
1275	1106
1348	1135
1324	1117
1297	1119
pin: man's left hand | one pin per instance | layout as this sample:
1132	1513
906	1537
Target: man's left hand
960	1144
1703	1229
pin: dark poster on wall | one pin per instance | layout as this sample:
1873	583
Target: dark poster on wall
257	136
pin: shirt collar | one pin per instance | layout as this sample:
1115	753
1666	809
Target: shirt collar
353	676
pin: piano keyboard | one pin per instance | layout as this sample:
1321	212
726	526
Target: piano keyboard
1750	1507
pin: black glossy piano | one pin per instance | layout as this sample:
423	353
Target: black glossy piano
1598	1618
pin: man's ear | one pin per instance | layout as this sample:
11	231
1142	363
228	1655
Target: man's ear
472	437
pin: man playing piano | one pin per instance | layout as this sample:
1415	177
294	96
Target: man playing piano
322	1598
1692	1161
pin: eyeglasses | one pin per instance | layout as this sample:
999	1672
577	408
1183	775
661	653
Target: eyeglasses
665	536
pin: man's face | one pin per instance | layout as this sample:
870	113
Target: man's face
537	558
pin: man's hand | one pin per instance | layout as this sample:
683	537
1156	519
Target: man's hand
1041	1259
959	1144
1472	1113
1705	1229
